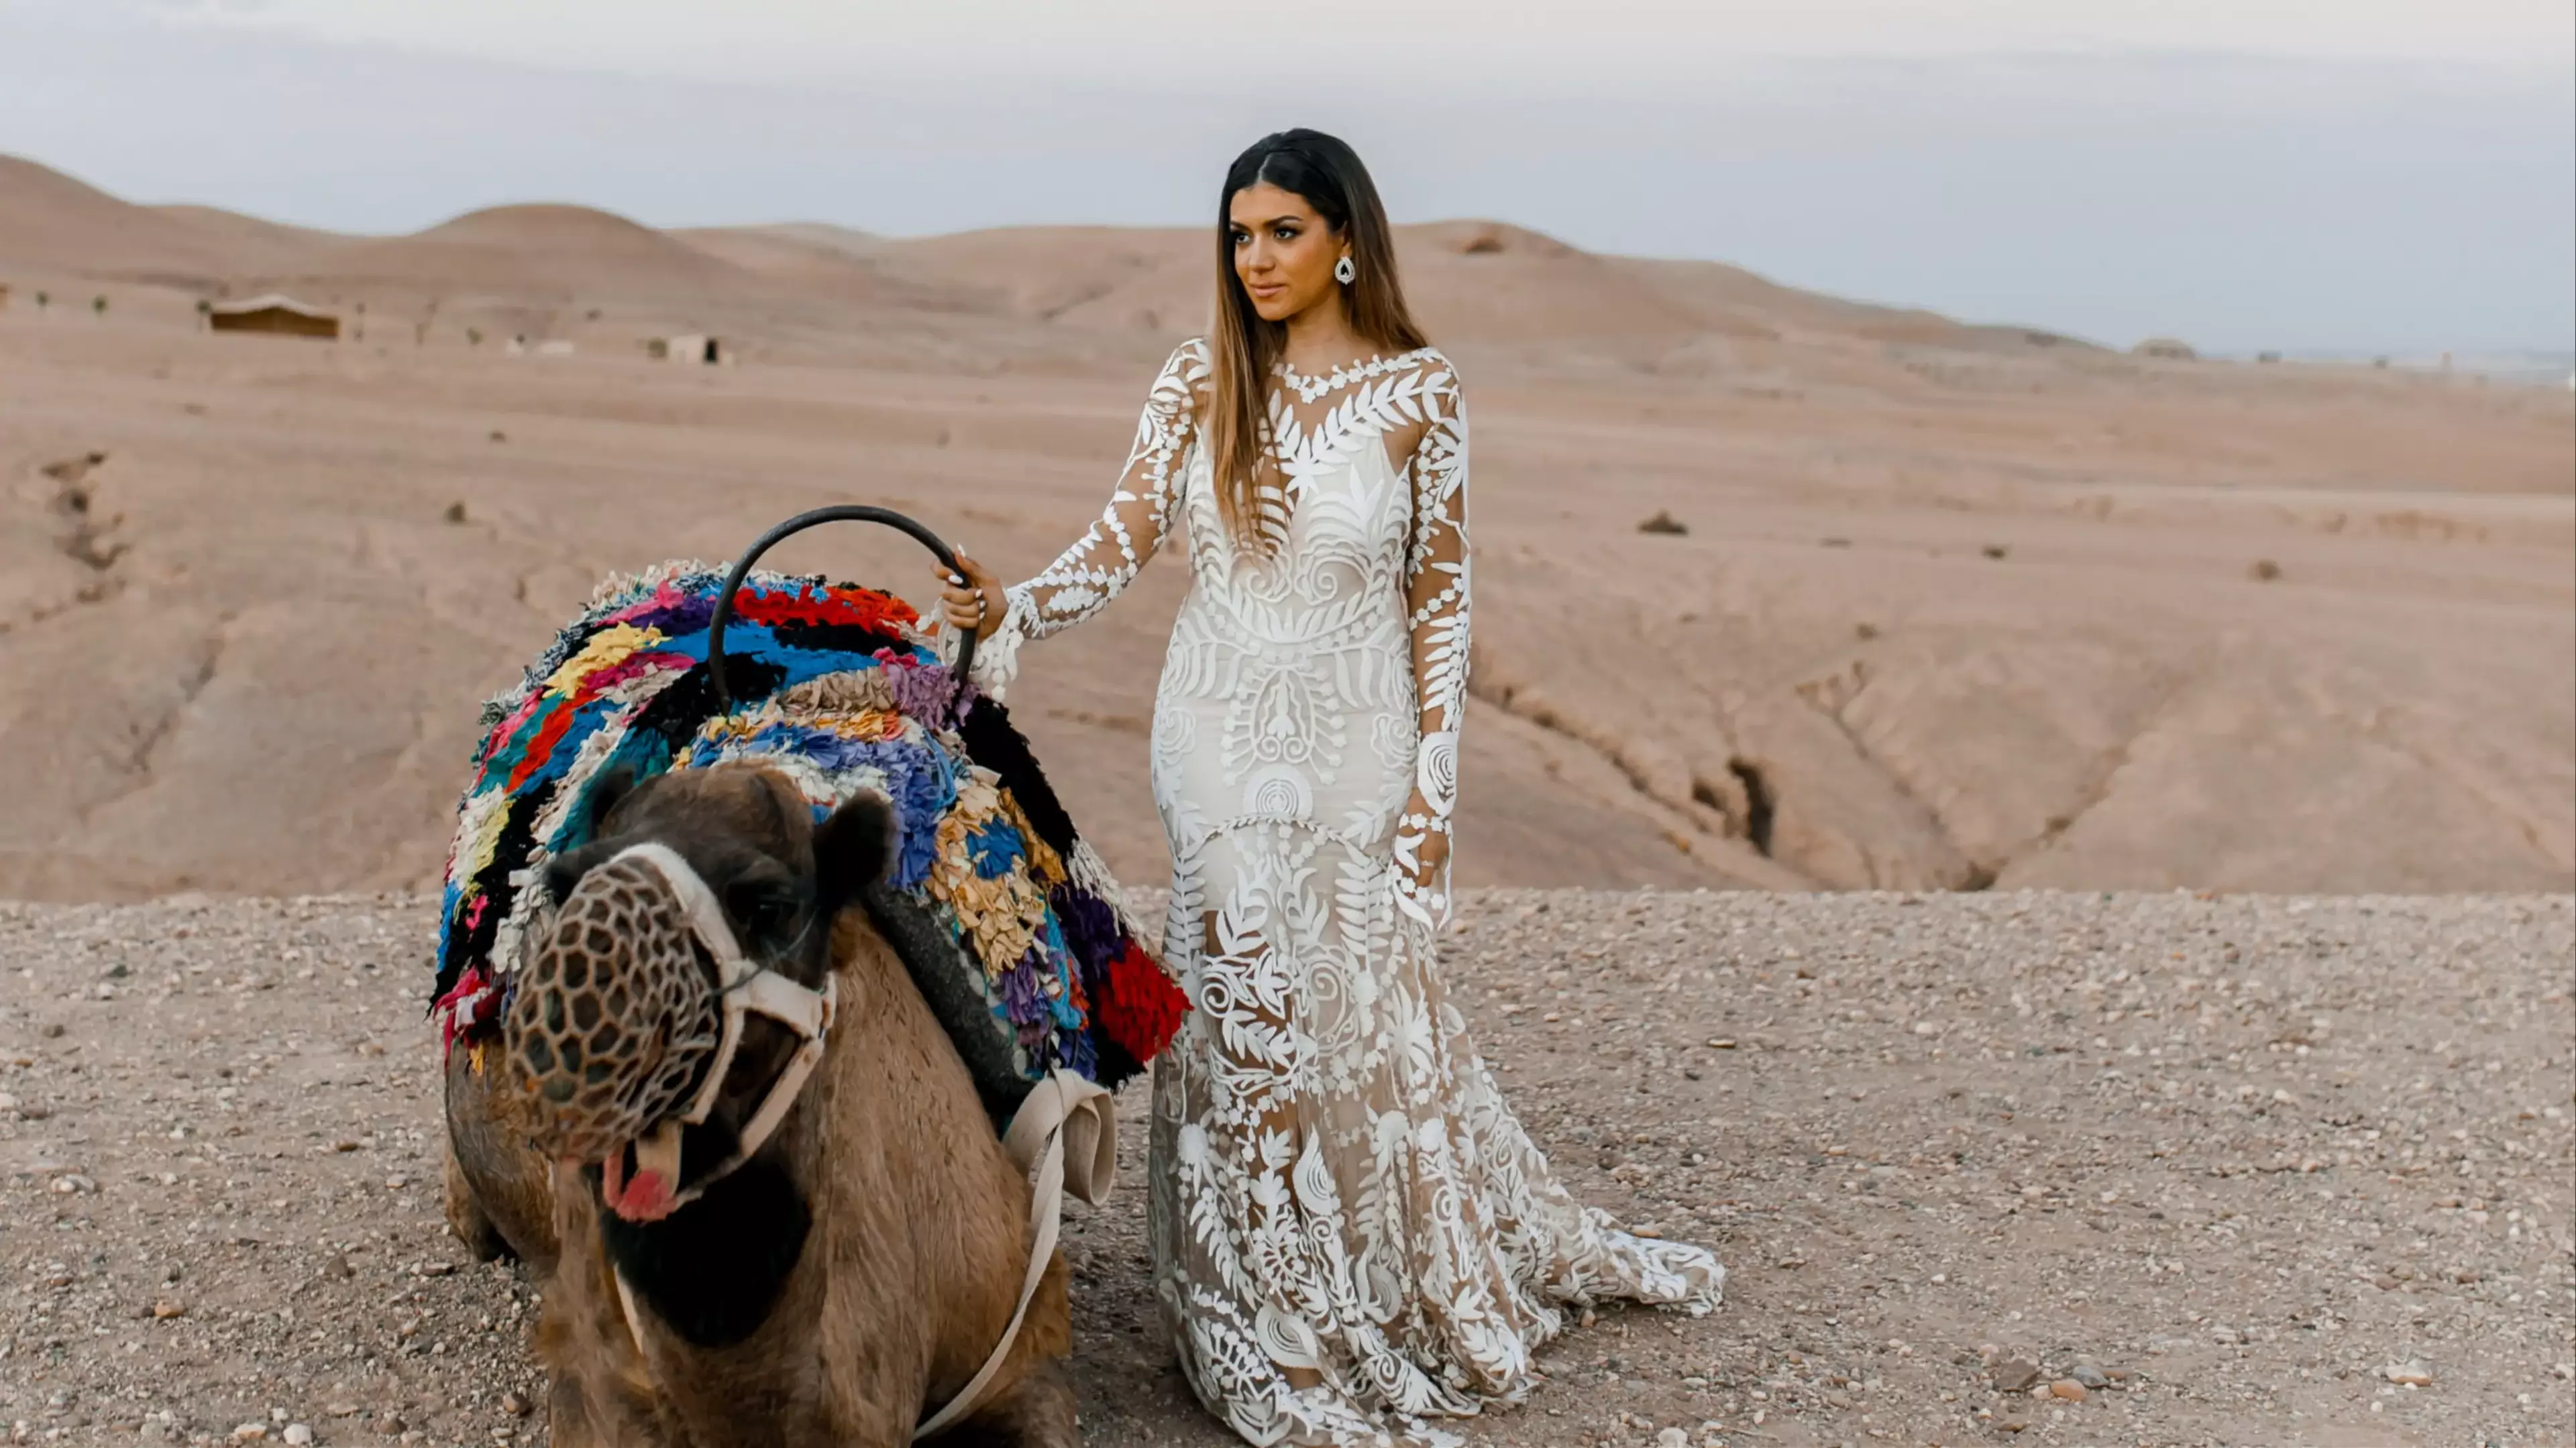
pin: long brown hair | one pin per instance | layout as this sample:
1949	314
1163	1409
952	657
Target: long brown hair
1328	176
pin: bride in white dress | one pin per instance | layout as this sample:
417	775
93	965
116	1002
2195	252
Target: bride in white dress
1351	1232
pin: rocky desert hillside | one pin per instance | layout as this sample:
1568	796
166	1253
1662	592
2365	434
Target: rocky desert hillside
1775	590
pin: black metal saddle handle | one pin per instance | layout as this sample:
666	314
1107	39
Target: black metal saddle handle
840	513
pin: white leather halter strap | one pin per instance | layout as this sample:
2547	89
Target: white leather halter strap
742	989
1067	1131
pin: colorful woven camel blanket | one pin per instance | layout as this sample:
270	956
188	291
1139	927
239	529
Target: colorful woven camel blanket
1010	924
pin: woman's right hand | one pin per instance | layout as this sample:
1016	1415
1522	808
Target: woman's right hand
973	600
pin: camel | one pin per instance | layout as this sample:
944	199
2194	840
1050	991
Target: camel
849	1275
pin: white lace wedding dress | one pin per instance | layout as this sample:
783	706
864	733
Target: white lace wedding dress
1351	1231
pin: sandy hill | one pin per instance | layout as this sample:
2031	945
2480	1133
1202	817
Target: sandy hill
1928	605
50	221
520	254
1505	285
1041	273
1469	281
812	262
848	240
526	254
1721	299
1478	283
245	240
1473	282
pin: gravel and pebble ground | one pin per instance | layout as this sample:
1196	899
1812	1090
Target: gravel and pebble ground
2055	1168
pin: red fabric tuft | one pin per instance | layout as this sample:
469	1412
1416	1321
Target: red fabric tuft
542	747
835	603
1140	1008
501	732
464	1008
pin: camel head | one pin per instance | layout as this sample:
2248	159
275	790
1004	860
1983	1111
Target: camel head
665	1015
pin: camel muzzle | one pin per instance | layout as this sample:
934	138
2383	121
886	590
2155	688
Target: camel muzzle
625	1027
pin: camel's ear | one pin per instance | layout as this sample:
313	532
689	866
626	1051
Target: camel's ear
564	871
607	792
853	848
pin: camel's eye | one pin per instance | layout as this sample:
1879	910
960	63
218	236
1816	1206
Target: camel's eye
764	910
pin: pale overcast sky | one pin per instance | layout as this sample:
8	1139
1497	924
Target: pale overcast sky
697	37
2246	173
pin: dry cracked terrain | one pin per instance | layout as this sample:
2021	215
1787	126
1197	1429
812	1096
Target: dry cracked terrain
1932	605
2258	1170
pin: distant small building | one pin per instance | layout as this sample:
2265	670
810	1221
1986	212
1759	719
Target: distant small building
2168	348
690	348
274	313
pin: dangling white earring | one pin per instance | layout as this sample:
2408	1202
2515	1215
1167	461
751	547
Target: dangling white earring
1344	272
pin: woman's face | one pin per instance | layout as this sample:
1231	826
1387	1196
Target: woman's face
1283	251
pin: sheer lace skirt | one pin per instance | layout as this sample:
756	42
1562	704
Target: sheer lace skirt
1351	1232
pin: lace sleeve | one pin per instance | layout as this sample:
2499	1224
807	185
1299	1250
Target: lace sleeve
1435	578
1085	577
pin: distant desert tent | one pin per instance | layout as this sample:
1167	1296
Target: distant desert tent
690	348
274	313
2170	349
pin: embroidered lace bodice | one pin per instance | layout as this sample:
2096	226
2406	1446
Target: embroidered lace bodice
1306	641
1352	1234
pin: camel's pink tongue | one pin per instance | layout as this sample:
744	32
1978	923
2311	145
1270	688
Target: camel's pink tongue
645	1198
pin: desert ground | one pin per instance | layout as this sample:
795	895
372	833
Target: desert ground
2241	1170
2056	863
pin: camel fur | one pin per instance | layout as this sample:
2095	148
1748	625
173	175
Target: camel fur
884	1210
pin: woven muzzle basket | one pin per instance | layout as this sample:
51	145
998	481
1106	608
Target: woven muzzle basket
615	1016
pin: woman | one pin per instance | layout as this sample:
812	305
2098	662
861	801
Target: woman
1351	1232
